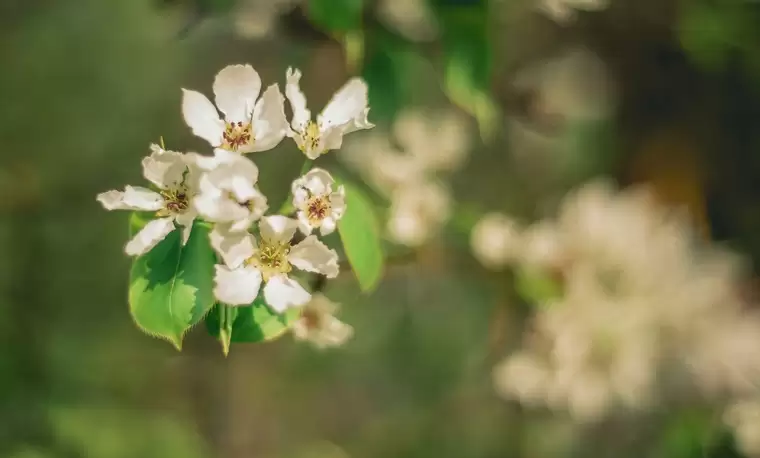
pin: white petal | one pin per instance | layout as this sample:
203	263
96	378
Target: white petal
281	293
269	122
164	168
133	198
149	236
200	114
347	105
236	286
317	180
277	228
338	202
312	255
236	88
303	223
332	139
233	247
186	221
301	114
328	226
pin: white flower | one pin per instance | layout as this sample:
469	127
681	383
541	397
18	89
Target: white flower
319	326
417	211
744	418
495	240
645	305
247	264
437	140
228	192
318	205
176	177
249	124
563	11
256	19
345	113
411	18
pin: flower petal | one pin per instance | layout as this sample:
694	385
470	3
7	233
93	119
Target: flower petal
317	181
133	198
200	114
281	293
164	168
186	221
149	236
233	247
347	108
236	88
236	286
269	122
312	255
297	100
277	228
328	226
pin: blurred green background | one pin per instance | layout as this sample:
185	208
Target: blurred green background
86	85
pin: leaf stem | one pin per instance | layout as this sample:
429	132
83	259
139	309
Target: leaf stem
225	327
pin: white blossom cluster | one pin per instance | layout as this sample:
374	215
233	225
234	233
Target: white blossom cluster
430	144
646	310
565	11
257	252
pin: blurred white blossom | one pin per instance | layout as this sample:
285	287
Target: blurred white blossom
256	19
319	326
495	240
346	112
431	144
645	305
417	211
565	11
413	19
176	177
743	418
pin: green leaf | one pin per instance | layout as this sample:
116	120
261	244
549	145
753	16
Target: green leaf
253	323
336	15
468	61
537	286
359	231
171	286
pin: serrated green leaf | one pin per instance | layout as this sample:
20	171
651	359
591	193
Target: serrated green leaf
171	286
253	323
359	231
537	286
336	15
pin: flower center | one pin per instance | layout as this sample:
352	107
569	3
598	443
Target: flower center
310	137
176	201
317	208
271	259
237	135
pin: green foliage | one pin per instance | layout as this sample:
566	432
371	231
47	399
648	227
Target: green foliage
689	434
171	286
386	70
536	286
253	323
359	231
468	60
336	15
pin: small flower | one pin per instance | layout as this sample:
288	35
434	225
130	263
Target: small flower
249	124
319	326
176	176
247	264
317	204
345	113
228	192
438	141
495	240
411	18
417	211
564	11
